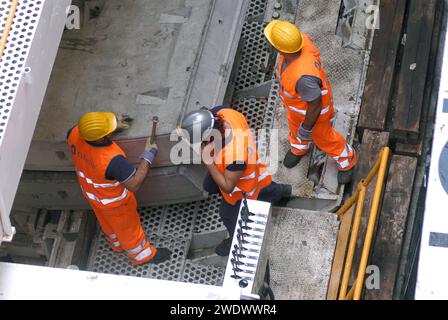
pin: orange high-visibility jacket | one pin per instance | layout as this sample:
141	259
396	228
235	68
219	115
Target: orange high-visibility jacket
91	164
242	148
308	63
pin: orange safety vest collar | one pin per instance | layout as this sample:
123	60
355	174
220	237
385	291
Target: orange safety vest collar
242	148
91	164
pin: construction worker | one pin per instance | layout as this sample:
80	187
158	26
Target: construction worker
306	94
108	182
234	167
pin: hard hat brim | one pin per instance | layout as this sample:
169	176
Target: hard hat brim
268	33
112	122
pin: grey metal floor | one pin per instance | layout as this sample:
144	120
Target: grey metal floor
301	255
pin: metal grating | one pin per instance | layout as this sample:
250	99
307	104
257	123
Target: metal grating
169	226
202	274
254	111
12	64
172	269
108	261
207	218
256	8
179	220
254	61
151	219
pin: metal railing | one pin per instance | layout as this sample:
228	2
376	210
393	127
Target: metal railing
359	197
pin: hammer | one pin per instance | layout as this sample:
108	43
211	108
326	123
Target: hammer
155	120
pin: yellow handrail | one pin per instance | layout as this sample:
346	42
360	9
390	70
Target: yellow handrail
379	168
8	25
371	224
352	246
366	182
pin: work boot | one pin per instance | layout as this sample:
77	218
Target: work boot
291	160
287	191
162	255
345	177
223	249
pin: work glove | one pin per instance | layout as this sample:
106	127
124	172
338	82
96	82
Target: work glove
150	152
305	134
124	122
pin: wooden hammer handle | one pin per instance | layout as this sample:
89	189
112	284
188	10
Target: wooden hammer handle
155	120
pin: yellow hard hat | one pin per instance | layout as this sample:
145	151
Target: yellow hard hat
284	36
96	125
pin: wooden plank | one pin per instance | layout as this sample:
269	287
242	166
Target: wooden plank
413	71
391	225
409	149
377	91
339	254
372	143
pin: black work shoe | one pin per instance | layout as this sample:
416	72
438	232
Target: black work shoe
223	249
291	160
162	255
287	191
345	177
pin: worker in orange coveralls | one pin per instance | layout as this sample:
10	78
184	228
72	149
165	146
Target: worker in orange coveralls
306	94
108	181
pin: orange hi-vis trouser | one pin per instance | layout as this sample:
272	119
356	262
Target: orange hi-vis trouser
328	140
124	232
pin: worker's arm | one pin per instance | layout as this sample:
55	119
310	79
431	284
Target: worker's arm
227	181
309	89
119	169
312	113
135	182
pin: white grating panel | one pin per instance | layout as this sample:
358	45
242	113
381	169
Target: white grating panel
24	73
12	64
202	274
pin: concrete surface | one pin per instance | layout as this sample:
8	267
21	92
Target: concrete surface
301	254
140	65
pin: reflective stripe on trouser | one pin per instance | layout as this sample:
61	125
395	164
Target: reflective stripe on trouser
113	242
142	253
329	141
124	223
